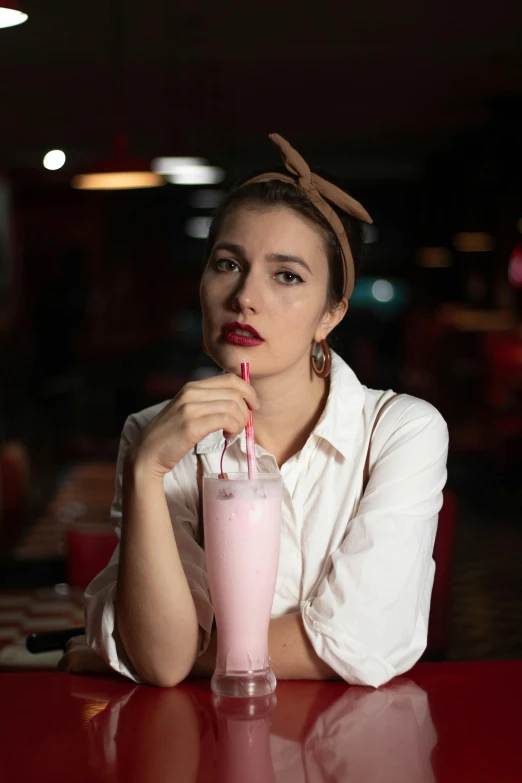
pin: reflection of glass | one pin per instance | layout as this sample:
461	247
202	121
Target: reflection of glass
244	739
242	521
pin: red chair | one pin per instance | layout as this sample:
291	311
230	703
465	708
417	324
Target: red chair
89	549
438	628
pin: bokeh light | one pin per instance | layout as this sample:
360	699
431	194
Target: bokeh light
9	17
54	160
383	291
198	227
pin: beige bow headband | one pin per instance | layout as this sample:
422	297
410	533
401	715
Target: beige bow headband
318	189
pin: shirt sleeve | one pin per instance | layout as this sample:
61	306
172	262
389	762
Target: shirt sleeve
368	618
100	595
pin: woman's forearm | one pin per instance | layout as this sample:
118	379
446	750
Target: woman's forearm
291	652
155	614
292	656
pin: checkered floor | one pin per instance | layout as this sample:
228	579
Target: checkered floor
34	611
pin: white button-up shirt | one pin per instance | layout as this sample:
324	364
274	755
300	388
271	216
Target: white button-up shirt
356	564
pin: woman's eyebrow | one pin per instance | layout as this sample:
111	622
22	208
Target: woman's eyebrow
232	247
284	258
278	258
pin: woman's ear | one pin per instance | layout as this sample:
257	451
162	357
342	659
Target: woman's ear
330	319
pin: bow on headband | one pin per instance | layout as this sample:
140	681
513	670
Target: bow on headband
318	189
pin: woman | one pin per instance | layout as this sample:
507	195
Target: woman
356	570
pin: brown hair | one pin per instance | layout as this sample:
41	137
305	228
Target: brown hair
277	194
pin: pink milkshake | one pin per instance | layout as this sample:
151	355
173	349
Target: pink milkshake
242	521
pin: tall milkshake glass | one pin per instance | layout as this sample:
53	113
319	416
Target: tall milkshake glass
242	519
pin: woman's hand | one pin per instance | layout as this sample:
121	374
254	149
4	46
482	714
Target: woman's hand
79	658
201	407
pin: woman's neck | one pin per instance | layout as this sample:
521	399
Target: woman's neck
291	406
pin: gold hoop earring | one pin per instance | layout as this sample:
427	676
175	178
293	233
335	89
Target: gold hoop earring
204	347
322	368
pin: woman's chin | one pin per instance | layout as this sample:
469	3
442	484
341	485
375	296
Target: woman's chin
225	359
230	357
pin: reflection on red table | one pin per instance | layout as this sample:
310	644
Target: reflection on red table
442	722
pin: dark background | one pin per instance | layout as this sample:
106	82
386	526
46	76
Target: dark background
416	108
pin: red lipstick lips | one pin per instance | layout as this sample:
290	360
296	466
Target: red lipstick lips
241	334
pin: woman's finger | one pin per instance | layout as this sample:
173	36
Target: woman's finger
218	394
227	381
215	422
76	641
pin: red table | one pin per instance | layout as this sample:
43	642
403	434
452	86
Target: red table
442	722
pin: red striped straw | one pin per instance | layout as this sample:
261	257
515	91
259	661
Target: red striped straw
250	442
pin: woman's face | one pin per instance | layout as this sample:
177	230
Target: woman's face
263	292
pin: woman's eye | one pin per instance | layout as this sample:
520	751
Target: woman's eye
289	278
227	265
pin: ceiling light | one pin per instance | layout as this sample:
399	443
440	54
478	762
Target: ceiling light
176	165
197	175
473	242
54	160
10	15
117	180
188	171
198	227
118	172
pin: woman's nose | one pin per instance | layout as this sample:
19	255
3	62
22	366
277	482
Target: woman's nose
248	295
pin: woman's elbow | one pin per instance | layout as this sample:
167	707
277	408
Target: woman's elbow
164	676
380	670
362	667
161	678
164	680
374	679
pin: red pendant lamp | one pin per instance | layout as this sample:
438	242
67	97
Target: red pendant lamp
120	170
10	14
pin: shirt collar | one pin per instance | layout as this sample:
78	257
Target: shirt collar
339	421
